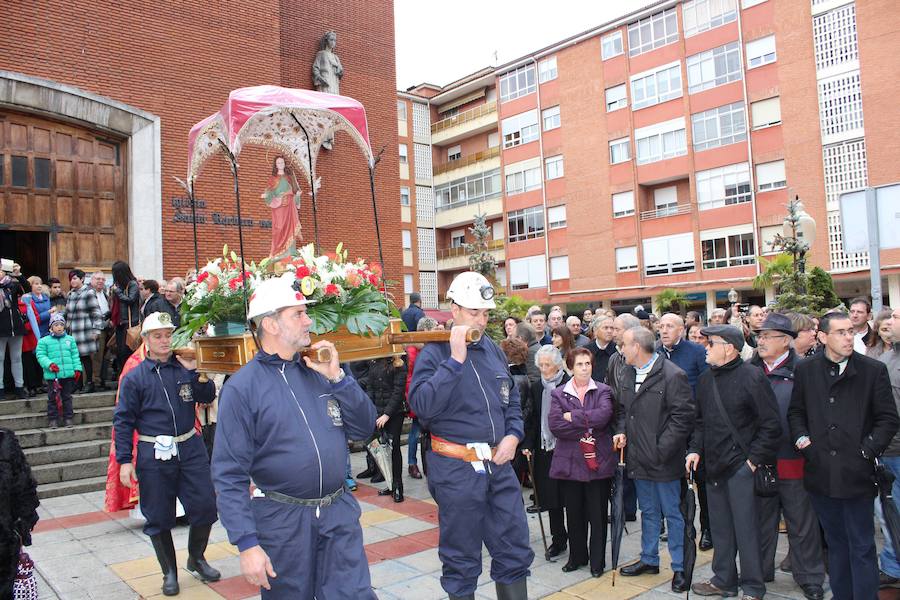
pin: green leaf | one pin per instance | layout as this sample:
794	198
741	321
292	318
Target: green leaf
325	317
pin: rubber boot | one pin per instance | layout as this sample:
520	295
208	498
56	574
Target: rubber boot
198	536
370	469
165	554
518	590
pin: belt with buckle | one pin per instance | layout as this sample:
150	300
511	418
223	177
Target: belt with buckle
178	439
317	502
453	450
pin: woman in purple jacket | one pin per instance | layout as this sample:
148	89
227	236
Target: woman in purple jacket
580	409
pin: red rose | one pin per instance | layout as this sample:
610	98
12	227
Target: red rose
302	271
202	276
332	290
373	279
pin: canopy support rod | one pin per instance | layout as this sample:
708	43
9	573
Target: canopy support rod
237	197
190	190
312	179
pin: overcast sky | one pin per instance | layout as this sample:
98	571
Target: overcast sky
440	42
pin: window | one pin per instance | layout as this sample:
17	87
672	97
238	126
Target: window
497	230
554	166
422	154
845	169
42	173
714	67
404	154
669	254
616	98
523	180
454	152
840	106
428	288
401	110
404	196
626	259
528	272
517	83
559	267
611	45
719	126
761	52
749	3
702	15
407	239
766	112
427	252
767	238
550	116
547	69
654	31
493	139
619	150
834	37
408	284
458	238
473	188
652	87
556	216
666	201
770	176
723	186
623	204
722	249
20	171
660	141
525	224
520	129
424	206
421	122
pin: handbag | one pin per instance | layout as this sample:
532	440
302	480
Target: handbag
765	477
133	333
25	584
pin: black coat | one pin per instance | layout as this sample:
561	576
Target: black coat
657	421
782	382
842	416
547	489
532	420
385	385
18	506
750	404
157	303
129	301
11	321
600	359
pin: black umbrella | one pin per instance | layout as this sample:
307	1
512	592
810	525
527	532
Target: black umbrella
688	506
884	479
617	514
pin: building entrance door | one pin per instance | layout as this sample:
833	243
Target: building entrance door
31	249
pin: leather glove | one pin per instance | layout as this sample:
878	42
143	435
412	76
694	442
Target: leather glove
54	368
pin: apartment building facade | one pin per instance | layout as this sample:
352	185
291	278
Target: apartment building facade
660	150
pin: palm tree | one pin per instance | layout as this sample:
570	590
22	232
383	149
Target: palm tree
774	271
670	300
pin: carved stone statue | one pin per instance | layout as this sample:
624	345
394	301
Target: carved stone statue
327	70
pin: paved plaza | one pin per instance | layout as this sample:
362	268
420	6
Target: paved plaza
82	553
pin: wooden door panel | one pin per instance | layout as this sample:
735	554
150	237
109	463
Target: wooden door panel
85	177
64	211
40	140
65	175
107	248
65	249
41	210
63	146
106	178
17	209
18	136
85	212
85	250
107	212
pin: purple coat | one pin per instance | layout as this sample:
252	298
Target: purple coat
597	412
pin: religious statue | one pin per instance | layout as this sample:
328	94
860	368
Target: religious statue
282	195
327	71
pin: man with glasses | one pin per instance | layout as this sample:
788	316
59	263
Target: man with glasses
842	416
890	565
777	359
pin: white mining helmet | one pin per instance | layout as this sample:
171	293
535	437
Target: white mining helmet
274	294
471	290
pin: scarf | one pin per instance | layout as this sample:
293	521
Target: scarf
548	440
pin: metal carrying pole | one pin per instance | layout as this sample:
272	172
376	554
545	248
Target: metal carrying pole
237	198
312	179
190	190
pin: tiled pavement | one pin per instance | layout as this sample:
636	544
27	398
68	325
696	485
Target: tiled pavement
82	553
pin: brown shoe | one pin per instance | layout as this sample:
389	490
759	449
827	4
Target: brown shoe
414	472
708	589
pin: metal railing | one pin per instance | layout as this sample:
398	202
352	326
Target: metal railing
665	211
468	160
464	117
461	250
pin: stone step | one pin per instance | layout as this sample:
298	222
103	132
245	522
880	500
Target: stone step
37	420
76	486
32	438
68	471
39	403
61	453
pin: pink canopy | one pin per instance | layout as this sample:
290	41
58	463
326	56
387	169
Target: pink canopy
265	116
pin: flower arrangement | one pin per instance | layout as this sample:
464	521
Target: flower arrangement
342	292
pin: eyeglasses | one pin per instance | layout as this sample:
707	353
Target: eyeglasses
770	336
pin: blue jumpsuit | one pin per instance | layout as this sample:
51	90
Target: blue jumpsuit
157	398
475	401
285	427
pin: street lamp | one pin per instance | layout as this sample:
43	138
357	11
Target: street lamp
733	296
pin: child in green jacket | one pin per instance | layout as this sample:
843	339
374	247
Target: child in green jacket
57	353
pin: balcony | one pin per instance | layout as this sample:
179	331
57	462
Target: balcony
665	211
464	211
467	161
454	259
475	120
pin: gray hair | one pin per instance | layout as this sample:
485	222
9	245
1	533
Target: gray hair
426	324
573	319
628	321
644	338
537	312
552	352
598	320
526	332
178	282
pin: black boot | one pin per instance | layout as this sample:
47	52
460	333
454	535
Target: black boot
20	394
371	469
198	536
165	554
518	590
466	597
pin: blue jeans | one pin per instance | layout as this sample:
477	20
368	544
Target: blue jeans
658	499
850	535
349	473
413	443
887	558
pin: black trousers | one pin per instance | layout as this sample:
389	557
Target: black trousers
394	427
587	503
65	397
804	539
122	349
87	370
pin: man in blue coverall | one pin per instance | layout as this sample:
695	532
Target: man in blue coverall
284	425
468	400
157	398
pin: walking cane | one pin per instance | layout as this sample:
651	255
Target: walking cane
537	501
